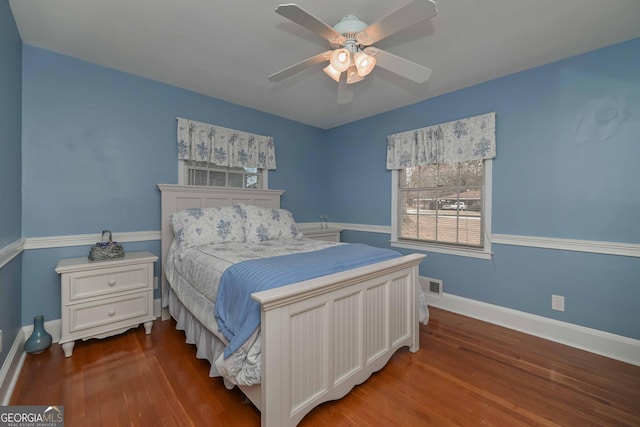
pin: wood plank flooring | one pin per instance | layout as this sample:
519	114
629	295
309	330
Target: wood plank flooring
466	373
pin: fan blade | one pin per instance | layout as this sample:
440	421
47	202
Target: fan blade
402	67
406	16
300	66
310	22
345	91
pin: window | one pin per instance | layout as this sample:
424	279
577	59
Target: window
202	173
443	208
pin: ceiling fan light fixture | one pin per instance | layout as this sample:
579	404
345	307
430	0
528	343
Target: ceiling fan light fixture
353	76
364	63
340	59
332	72
351	55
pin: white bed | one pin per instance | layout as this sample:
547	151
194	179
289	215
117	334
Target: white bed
318	338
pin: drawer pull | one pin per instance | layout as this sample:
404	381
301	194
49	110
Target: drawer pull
111	313
111	282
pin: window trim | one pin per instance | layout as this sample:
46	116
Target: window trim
182	175
483	253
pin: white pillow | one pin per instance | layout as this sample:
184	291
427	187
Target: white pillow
199	227
268	224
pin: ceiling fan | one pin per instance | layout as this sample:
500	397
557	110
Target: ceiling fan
352	56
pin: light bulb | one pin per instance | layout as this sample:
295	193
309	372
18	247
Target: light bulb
340	59
364	63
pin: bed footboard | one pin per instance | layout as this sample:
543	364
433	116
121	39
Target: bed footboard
323	336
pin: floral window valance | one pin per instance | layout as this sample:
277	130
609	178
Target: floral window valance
203	142
473	138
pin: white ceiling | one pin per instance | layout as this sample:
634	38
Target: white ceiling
227	49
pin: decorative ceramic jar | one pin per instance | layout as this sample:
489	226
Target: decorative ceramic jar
40	339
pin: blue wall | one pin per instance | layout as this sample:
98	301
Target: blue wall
10	174
566	167
97	141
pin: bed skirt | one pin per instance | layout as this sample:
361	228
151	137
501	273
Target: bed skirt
208	346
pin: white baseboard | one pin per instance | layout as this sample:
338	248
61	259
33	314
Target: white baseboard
10	369
603	343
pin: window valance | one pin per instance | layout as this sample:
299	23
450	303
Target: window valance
203	142
473	138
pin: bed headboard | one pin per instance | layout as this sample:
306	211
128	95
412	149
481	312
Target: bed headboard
176	198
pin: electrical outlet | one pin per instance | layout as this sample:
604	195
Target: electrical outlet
155	282
557	302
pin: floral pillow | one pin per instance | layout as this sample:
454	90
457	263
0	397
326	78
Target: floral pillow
268	224
199	227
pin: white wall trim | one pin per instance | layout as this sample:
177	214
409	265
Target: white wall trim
308	226
11	251
443	249
10	370
593	246
595	341
384	229
87	239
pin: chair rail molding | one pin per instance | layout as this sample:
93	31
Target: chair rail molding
11	251
367	228
592	246
577	245
87	239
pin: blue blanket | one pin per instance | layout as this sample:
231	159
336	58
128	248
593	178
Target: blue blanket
238	314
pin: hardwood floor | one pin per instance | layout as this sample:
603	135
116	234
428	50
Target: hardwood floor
467	372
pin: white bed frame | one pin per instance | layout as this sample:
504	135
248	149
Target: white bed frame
320	337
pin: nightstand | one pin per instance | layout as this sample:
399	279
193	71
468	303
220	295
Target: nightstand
104	298
328	234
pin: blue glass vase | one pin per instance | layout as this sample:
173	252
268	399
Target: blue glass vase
40	339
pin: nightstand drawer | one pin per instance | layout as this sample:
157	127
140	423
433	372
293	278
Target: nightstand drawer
106	281
108	311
